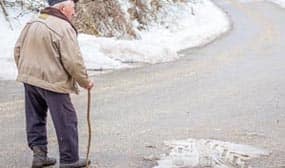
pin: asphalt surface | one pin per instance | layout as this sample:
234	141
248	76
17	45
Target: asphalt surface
231	90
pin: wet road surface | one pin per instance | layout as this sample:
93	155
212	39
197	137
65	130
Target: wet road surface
231	90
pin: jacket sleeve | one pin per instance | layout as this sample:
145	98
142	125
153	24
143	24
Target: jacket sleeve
71	57
17	48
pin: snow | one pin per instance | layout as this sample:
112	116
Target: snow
178	27
208	153
160	44
8	38
128	51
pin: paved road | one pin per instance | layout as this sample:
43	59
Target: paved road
232	90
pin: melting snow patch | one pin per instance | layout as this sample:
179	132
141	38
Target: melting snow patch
208	153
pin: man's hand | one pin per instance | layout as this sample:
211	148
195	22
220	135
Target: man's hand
90	85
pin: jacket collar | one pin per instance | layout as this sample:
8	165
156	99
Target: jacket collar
55	12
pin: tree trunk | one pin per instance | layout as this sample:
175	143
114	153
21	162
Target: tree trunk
5	13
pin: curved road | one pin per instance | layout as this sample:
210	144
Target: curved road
232	90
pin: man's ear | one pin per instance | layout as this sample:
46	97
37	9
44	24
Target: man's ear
62	8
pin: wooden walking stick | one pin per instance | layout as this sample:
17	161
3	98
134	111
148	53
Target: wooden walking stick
89	127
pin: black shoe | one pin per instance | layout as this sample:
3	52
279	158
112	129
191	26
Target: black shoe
41	159
78	164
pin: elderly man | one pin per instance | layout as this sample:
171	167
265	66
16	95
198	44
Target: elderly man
50	65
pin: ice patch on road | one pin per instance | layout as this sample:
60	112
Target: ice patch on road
208	153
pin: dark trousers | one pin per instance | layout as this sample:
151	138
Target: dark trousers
63	114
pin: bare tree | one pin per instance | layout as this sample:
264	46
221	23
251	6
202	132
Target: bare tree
5	13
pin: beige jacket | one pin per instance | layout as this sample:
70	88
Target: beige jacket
47	55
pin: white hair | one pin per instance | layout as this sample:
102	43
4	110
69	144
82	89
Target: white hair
64	3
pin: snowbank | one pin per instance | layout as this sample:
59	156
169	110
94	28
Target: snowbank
183	27
8	36
179	27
